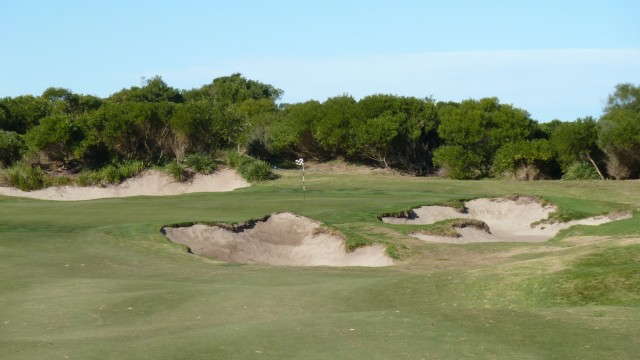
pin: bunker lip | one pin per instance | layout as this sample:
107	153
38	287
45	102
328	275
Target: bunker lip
283	239
149	183
509	219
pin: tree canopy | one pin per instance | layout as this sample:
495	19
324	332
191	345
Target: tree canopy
157	124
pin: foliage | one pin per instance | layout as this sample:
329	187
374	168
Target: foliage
457	162
11	147
576	142
24	176
21	113
250	169
158	124
480	127
294	134
236	88
530	156
55	136
177	171
620	132
580	171
111	173
201	163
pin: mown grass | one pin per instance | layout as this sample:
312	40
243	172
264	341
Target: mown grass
97	280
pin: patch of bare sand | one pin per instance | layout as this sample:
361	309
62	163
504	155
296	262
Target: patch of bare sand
149	183
282	239
509	219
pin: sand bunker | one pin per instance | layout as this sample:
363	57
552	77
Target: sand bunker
508	219
281	239
150	183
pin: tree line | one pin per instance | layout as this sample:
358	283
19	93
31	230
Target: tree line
158	124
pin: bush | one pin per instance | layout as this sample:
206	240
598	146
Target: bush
58	181
111	174
25	177
130	169
580	171
11	147
456	161
235	159
257	170
177	171
87	179
249	168
201	163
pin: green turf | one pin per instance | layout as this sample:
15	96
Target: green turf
97	280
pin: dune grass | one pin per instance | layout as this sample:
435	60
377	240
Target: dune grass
97	280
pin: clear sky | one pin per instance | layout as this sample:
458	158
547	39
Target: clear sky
555	59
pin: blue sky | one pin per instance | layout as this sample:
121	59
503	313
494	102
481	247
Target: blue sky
555	59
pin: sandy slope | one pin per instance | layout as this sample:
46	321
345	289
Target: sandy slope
283	239
508	220
151	183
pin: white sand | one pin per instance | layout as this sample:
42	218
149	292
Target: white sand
150	183
283	239
508	220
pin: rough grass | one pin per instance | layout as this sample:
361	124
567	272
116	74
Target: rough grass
448	227
96	280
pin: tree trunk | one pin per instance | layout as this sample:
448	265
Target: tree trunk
595	166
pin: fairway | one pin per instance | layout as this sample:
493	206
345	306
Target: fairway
98	280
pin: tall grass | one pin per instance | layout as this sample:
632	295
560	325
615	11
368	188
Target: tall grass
110	174
24	176
201	163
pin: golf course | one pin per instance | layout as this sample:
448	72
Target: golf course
98	279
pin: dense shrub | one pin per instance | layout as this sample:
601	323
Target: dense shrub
456	161
177	171
249	168
201	163
110	174
11	147
580	171
526	160
24	176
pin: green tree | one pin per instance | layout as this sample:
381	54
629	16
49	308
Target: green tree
525	160
55	137
236	88
456	162
577	142
414	122
481	127
21	113
64	101
335	130
619	135
374	137
154	90
294	134
11	147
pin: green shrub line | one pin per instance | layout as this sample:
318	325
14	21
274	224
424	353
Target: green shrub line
251	169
